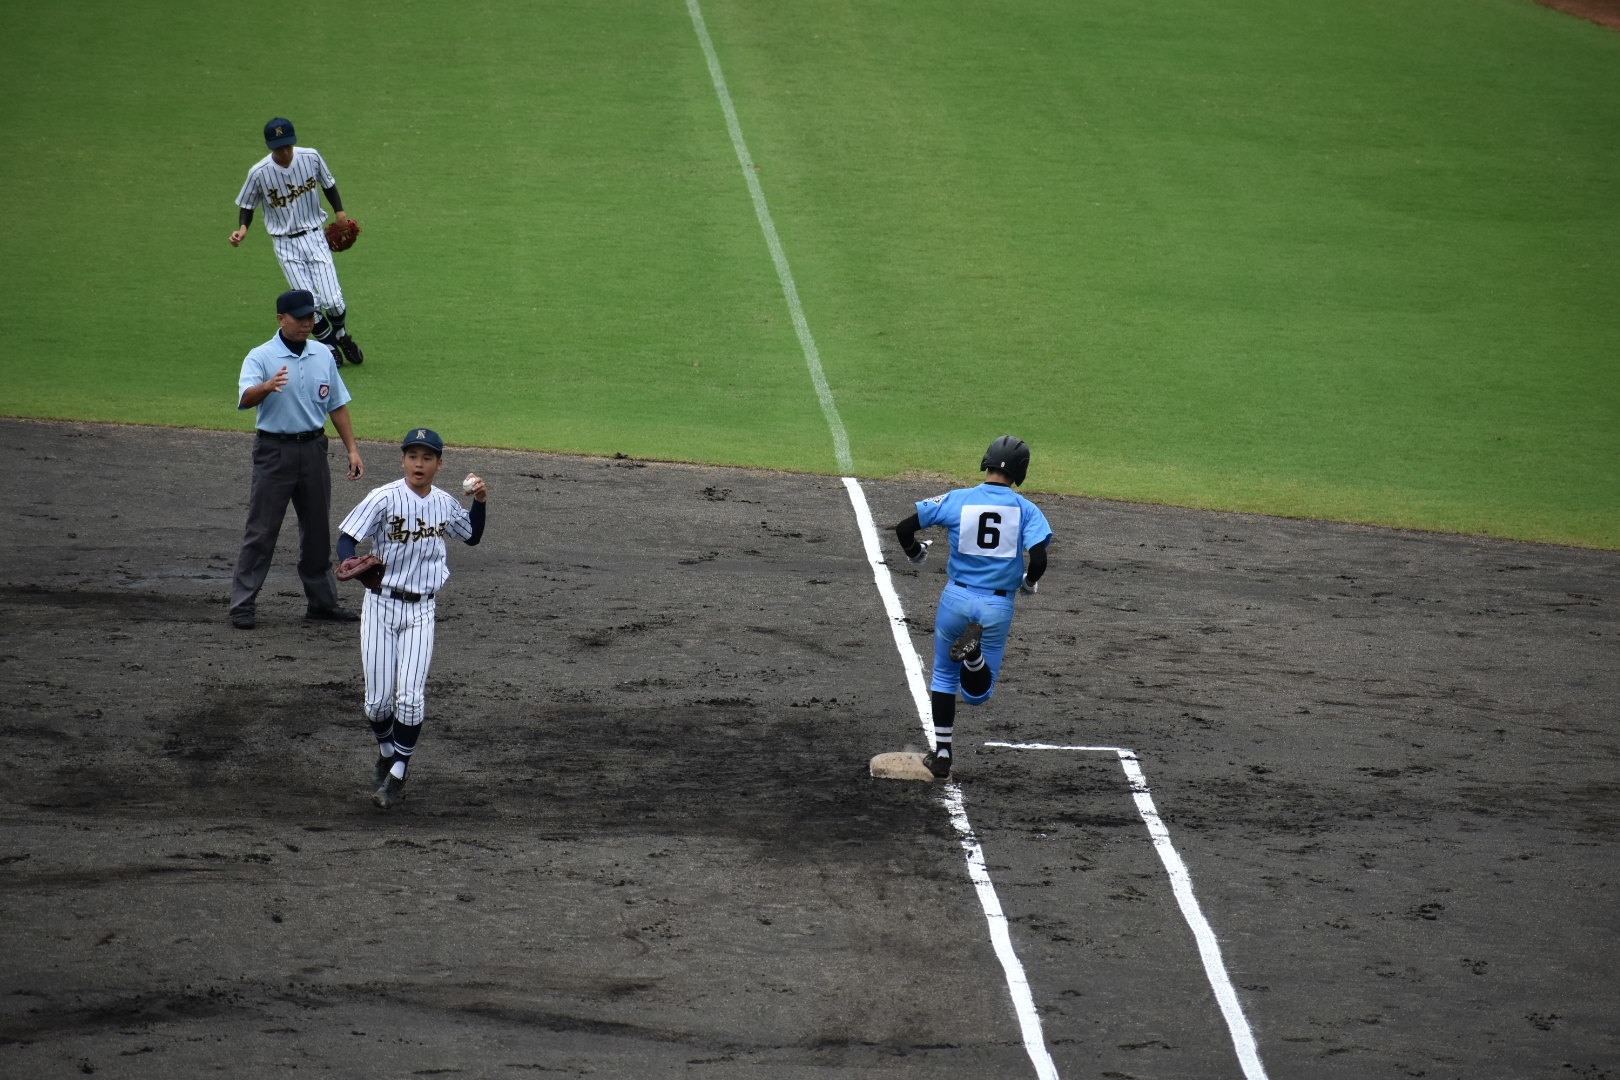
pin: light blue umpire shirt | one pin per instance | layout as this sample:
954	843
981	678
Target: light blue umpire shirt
314	388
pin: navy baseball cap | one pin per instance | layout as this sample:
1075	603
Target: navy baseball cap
298	303
422	437
279	132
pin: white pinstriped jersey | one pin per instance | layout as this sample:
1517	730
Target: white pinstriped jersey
291	197
407	532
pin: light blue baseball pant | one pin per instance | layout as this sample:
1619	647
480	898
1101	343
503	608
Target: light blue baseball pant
958	606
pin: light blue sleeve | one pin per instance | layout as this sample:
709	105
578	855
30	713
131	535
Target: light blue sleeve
252	375
1036	528
928	510
340	393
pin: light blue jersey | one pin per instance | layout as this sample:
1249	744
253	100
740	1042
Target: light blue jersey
313	388
991	526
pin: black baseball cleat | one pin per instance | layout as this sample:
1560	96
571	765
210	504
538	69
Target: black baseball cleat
349	349
242	620
968	644
332	614
938	764
381	774
391	794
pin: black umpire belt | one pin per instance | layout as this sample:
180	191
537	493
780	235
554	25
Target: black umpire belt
293	436
965	585
408	597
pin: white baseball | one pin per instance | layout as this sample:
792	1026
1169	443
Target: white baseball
468	484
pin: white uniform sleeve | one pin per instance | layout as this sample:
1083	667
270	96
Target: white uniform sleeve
458	522
364	519
327	179
250	196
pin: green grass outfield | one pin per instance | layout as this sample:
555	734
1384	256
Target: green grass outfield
1345	260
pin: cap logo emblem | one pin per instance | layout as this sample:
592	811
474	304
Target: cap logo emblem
279	131
421	433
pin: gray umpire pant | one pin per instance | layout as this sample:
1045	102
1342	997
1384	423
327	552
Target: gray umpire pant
297	472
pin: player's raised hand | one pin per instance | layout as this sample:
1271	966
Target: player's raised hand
920	556
474	485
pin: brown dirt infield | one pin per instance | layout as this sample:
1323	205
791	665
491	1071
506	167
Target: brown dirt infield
640	840
1602	12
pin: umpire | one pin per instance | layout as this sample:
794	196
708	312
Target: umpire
294	384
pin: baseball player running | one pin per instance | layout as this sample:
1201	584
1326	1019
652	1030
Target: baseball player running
991	528
284	183
406	522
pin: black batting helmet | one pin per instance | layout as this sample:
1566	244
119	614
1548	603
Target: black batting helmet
1008	454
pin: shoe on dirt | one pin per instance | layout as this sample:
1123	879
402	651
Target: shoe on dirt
391	794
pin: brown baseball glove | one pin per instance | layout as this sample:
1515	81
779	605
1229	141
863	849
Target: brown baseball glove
340	235
367	568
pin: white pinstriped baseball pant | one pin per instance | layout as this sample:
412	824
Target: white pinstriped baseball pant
307	262
396	650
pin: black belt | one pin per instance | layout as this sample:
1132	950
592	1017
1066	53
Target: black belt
291	235
961	585
408	597
293	436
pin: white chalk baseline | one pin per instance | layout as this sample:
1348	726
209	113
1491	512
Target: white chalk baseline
1209	949
1017	983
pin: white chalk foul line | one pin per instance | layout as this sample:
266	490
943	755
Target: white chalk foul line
812	356
1209	949
1029	1021
891	605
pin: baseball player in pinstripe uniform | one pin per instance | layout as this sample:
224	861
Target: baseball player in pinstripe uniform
406	522
284	182
991	530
